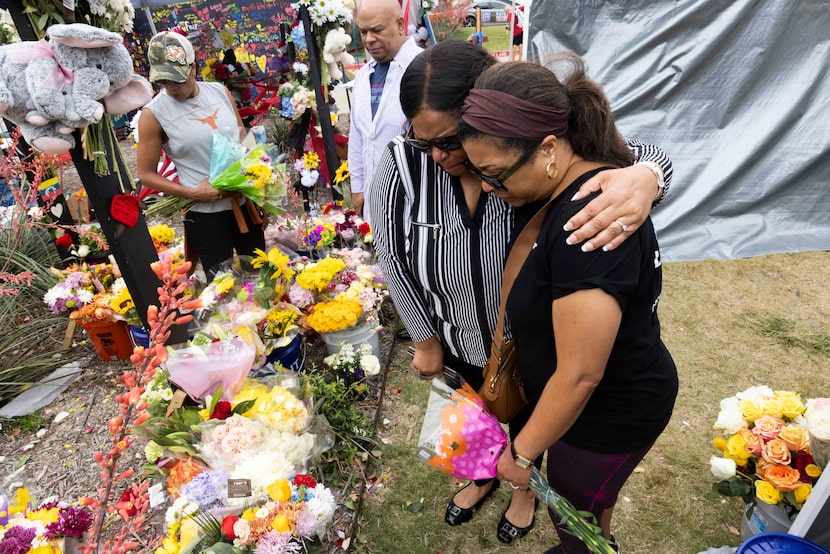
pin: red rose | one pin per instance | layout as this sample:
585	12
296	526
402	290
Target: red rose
800	461
364	229
302	479
227	527
223	410
64	241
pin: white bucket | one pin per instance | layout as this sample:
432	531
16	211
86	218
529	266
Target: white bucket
765	518
354	336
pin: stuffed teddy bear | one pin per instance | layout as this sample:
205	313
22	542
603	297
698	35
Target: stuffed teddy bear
50	88
334	52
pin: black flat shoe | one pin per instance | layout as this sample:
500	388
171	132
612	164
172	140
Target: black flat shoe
457	515
507	532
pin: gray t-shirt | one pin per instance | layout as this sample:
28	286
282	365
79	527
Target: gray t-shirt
189	126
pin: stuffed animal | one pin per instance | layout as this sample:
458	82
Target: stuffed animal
334	52
50	88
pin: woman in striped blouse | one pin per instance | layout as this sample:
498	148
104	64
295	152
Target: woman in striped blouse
442	243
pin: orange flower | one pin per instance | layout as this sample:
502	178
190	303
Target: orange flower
752	442
776	452
783	478
794	437
182	472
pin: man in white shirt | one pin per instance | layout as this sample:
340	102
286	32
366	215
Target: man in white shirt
376	117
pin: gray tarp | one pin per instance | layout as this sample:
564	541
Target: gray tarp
738	94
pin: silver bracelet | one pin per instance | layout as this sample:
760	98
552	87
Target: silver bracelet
658	172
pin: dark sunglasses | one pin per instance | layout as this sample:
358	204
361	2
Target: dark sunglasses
447	143
497	182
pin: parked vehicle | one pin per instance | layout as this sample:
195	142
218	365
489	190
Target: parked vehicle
492	13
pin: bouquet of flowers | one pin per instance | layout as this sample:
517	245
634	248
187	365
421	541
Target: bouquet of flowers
202	369
461	438
256	174
162	235
42	529
352	366
338	296
295	514
766	455
351	228
78	286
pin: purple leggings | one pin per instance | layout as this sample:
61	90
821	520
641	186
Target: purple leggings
590	480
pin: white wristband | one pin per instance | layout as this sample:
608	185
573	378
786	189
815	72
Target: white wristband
658	172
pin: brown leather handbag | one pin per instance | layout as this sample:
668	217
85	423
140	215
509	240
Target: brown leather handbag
503	391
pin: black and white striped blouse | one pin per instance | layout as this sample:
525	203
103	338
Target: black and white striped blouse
442	266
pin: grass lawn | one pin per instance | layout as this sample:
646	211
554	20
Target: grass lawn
497	35
728	324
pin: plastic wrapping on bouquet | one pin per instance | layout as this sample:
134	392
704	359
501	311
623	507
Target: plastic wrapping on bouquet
260	136
201	370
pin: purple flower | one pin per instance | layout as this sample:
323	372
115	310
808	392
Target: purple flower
206	488
72	522
307	524
274	542
17	540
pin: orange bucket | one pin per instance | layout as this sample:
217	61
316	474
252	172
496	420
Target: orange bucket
110	338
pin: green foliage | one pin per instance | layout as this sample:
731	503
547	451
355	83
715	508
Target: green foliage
23	314
353	428
790	334
28	423
177	433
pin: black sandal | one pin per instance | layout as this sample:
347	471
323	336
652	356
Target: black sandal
507	532
457	515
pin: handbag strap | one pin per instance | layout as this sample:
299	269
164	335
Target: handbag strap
515	261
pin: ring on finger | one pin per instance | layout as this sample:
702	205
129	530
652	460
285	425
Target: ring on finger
622	225
512	486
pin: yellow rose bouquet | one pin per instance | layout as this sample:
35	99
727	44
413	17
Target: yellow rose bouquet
765	453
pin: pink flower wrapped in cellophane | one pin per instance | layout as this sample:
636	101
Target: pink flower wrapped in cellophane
459	436
200	370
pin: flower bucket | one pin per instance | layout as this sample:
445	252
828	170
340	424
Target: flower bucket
779	543
140	336
110	338
765	518
288	356
354	336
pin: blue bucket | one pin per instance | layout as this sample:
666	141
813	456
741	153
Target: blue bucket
779	543
288	356
140	336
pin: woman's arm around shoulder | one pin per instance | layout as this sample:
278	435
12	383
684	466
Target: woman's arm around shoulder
628	195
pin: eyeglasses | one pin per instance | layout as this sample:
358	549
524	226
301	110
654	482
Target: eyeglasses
497	182
448	143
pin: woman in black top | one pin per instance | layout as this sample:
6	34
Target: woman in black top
585	325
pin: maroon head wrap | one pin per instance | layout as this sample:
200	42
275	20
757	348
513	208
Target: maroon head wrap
503	115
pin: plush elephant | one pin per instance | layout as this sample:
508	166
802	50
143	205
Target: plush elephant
49	88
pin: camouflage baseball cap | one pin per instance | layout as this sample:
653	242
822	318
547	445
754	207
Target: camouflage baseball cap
171	56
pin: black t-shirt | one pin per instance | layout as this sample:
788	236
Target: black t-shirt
634	401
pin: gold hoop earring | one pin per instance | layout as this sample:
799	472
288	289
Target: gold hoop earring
552	162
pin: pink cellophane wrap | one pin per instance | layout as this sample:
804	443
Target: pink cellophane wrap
459	436
200	370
